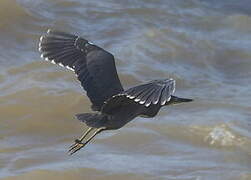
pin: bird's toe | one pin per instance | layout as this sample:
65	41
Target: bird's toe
75	147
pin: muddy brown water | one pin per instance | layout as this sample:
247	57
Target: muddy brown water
204	45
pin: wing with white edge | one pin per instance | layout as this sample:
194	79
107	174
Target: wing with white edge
151	93
94	66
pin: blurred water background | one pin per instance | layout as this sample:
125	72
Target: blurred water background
204	45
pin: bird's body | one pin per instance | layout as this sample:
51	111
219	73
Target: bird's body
96	70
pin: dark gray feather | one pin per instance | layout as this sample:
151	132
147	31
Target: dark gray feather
148	94
156	95
140	98
95	67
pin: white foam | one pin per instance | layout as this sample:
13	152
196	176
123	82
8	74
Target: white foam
223	136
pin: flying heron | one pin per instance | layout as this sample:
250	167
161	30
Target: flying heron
95	69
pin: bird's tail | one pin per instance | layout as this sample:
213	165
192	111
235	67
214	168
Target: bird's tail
177	100
95	120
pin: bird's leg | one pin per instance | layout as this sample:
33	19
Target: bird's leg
84	135
79	140
80	145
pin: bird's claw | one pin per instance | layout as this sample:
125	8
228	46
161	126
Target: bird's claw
76	147
77	141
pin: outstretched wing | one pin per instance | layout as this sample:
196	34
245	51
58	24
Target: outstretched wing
148	94
94	67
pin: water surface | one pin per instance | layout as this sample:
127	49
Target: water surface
204	45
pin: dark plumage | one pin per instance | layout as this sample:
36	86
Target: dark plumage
95	69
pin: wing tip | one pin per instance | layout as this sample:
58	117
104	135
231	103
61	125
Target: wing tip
155	102
68	67
148	104
48	31
52	61
43	54
41	39
40	43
